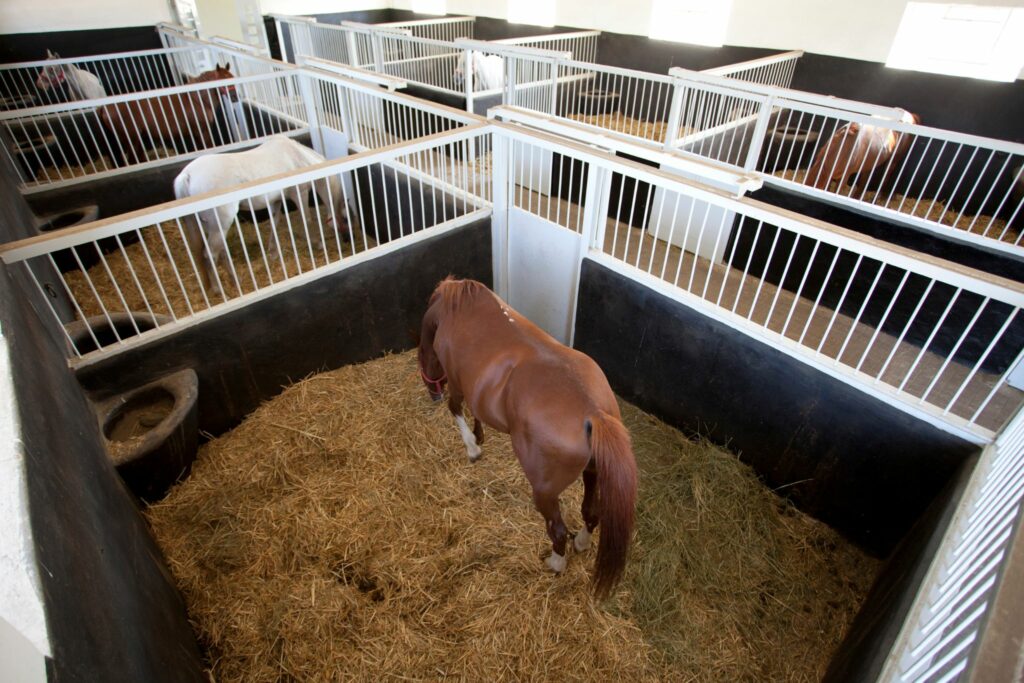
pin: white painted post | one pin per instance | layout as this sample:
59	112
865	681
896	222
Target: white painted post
595	211
554	88
312	115
280	42
760	130
510	80
353	48
675	114
467	78
501	175
378	52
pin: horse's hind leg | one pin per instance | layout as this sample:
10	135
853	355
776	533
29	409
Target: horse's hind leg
468	437
550	508
589	508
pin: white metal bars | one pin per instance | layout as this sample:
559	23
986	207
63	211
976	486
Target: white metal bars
963	187
917	332
54	81
349	44
444	28
371	117
946	623
776	70
196	258
959	186
582	44
70	143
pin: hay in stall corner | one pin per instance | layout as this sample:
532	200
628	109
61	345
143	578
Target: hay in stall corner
339	533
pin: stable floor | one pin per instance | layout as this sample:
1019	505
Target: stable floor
339	533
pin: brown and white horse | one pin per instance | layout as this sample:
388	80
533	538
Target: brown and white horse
554	402
857	150
192	116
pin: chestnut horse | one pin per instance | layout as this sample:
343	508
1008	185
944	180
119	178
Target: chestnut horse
166	119
554	402
858	150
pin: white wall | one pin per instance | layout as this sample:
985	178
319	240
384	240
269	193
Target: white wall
27	16
323	6
859	30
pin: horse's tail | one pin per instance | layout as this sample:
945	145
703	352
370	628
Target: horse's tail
181	185
616	487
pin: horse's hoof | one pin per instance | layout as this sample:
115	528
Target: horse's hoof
475	454
555	563
582	540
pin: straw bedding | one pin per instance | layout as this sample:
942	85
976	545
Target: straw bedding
619	122
339	533
161	275
981	224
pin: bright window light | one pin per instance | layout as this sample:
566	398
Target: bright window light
702	22
536	12
429	6
960	40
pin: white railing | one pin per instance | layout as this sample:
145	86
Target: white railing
23	84
175	35
917	332
445	28
959	186
582	44
776	70
351	43
345	212
943	630
82	141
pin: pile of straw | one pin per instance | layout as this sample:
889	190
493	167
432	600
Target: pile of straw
339	533
620	123
929	209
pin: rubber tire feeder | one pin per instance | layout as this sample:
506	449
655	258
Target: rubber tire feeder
32	152
162	437
103	329
594	102
791	148
79	215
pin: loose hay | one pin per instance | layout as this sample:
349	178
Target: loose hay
933	210
340	534
176	284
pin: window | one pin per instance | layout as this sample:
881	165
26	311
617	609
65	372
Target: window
537	12
960	40
702	22
429	6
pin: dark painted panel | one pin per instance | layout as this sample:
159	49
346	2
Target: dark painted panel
968	105
24	47
863	467
869	640
112	611
247	356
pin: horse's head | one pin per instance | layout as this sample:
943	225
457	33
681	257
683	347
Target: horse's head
50	76
219	73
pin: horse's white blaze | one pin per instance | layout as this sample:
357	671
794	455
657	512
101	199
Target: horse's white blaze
468	438
582	540
556	563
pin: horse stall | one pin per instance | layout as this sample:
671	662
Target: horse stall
814	452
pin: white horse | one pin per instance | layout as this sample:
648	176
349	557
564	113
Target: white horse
82	84
488	70
213	172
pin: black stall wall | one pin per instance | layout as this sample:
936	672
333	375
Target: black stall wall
112	611
25	47
852	461
244	357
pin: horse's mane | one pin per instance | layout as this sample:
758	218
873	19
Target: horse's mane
455	294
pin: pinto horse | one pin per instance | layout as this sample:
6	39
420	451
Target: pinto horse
166	119
857	150
82	85
553	401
